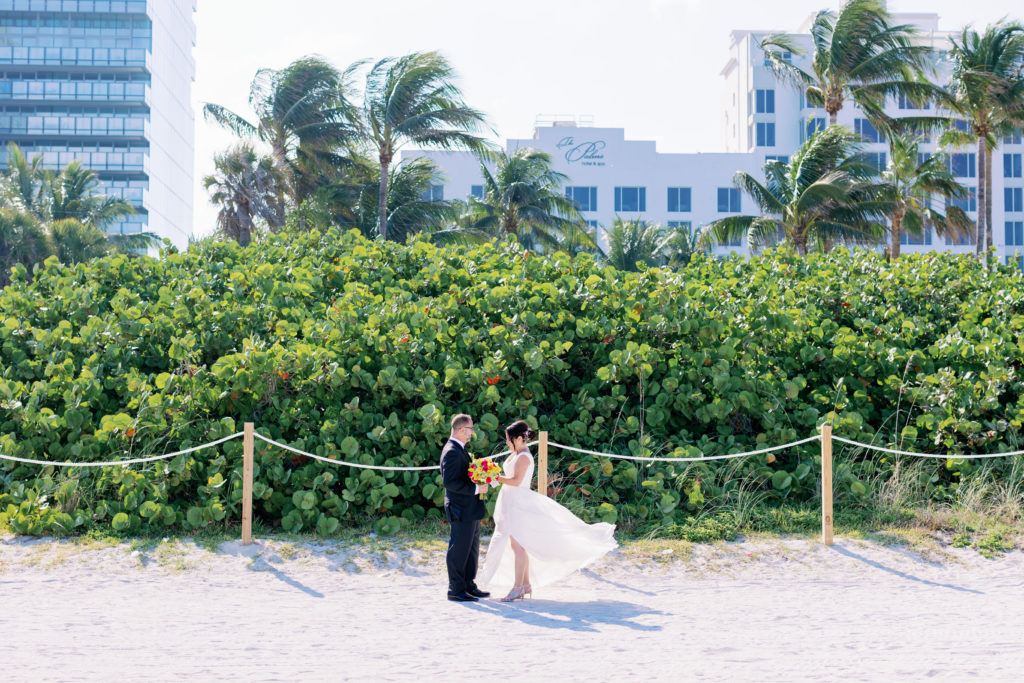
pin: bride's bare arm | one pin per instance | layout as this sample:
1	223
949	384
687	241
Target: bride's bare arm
522	464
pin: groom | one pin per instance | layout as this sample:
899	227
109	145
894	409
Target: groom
464	509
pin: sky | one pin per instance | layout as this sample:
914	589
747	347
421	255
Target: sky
651	67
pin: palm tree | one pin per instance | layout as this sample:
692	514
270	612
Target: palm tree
247	187
911	183
987	88
303	114
681	243
23	239
824	194
523	197
21	186
857	55
635	242
413	99
76	193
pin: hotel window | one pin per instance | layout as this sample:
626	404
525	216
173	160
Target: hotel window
1013	138
765	102
968	203
765	134
963	165
904	102
434	194
867	131
585	197
728	200
630	198
1015	260
786	56
591	224
923	157
1011	166
776	157
1015	233
685	225
806	103
877	159
811	126
914	240
476	191
961	240
679	200
1013	199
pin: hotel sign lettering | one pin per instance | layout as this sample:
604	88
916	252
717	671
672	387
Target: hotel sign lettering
585	153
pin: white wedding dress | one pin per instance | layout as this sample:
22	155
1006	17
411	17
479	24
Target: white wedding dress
557	541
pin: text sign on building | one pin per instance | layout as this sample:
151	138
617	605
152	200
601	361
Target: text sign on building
587	153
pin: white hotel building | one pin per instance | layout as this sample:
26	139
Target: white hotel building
611	176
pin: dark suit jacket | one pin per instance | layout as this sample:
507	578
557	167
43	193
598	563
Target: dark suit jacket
461	501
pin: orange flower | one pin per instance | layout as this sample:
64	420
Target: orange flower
607	339
283	375
130	432
493	380
404	340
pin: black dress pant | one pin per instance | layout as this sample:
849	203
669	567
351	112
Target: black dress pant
463	555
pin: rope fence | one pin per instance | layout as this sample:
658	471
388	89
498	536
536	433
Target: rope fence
249	436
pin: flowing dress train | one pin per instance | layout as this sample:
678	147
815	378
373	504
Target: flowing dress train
557	541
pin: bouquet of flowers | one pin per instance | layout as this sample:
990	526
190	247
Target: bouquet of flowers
484	471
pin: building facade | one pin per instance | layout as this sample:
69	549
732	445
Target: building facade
762	120
107	83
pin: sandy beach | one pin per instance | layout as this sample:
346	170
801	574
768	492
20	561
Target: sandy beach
758	610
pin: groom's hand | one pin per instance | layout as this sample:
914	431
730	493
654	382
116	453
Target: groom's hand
481	488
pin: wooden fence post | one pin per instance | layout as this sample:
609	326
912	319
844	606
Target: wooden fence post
542	464
826	484
247	445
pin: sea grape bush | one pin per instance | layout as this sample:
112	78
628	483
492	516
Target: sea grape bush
360	350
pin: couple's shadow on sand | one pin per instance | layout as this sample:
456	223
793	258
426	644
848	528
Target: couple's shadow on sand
574	616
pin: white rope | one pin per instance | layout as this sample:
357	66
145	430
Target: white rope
948	456
705	457
121	462
359	465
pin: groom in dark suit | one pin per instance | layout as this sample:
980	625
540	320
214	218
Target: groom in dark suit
464	510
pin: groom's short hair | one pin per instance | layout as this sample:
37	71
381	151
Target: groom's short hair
461	420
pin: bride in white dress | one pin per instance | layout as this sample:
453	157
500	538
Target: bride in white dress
547	542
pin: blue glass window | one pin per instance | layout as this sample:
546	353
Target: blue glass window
1011	165
630	198
1013	199
679	200
585	197
1015	233
867	131
765	101
765	134
963	165
434	194
728	200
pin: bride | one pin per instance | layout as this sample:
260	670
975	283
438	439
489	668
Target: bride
547	541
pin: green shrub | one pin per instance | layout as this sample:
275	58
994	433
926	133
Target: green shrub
362	350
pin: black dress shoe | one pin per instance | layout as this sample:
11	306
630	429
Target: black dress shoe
477	593
461	597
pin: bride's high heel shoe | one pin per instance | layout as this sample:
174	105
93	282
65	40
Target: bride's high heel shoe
517	593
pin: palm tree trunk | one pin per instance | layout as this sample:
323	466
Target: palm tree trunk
382	199
988	201
244	224
833	117
896	230
979	243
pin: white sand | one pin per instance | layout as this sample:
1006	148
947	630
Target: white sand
756	610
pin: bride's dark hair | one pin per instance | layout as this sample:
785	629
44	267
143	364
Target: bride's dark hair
520	429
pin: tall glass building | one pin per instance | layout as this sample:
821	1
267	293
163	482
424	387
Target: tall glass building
106	82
